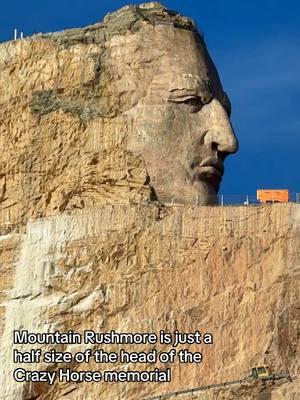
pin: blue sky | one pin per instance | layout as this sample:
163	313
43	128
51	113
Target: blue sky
255	45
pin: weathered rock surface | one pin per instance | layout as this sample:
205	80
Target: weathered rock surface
232	271
97	114
63	143
81	246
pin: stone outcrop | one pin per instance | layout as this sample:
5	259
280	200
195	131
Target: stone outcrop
63	142
100	114
84	245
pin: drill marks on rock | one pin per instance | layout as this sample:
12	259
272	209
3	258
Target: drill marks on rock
109	251
30	297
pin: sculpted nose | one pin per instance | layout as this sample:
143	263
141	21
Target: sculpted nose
220	134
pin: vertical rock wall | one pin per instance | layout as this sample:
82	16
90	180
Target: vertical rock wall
232	271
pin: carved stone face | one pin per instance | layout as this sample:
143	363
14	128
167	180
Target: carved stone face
180	121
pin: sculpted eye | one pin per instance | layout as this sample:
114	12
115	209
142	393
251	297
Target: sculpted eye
194	103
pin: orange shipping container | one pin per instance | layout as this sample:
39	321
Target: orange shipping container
266	196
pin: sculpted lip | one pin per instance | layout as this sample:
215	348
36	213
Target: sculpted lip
212	164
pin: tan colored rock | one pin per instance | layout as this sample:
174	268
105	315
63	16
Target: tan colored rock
95	123
100	114
131	269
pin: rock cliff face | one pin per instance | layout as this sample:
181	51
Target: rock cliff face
100	115
84	247
231	271
63	141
